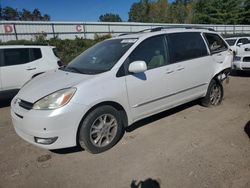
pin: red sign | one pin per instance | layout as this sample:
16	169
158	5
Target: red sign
8	28
78	28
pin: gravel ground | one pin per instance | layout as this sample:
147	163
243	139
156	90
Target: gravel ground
189	146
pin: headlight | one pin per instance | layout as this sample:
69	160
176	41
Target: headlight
55	100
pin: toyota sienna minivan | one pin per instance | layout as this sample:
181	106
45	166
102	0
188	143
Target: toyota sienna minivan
119	81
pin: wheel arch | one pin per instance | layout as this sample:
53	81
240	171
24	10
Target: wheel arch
115	105
218	76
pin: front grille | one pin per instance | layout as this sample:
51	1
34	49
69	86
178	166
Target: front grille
246	59
246	69
26	105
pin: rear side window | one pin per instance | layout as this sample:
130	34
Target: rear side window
185	46
16	56
215	43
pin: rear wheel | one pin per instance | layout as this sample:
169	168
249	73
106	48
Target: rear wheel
101	129
214	94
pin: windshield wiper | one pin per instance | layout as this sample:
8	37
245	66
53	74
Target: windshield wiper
73	69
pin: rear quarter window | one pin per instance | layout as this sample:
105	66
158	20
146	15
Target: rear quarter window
55	51
186	46
35	53
215	43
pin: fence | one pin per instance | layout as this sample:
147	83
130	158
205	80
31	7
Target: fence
17	30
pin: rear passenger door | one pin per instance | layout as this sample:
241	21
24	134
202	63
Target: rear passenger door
191	65
17	68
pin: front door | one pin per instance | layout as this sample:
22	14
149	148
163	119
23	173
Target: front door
148	92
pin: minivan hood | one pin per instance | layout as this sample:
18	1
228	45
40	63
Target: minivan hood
50	82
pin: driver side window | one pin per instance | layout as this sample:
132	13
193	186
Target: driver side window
152	51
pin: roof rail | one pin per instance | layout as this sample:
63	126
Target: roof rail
175	27
168	27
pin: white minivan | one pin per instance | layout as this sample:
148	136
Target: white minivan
19	63
119	81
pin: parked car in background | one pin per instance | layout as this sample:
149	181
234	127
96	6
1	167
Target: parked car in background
119	81
241	48
21	63
237	41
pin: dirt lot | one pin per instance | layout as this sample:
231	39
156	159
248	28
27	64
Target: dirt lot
190	146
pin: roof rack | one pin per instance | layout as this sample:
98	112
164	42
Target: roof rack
175	27
168	27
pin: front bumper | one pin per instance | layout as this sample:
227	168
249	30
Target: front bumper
61	123
240	65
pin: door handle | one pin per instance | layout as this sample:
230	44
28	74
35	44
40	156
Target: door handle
169	71
180	68
31	68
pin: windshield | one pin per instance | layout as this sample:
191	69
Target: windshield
231	42
101	57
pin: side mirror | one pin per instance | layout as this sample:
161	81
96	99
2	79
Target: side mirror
239	44
137	67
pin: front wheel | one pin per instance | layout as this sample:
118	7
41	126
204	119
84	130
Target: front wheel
101	129
214	94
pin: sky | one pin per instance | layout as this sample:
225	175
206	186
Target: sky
74	10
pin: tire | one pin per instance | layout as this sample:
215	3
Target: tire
214	95
100	130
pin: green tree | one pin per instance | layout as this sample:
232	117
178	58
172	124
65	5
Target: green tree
139	12
36	15
1	16
149	11
26	15
178	12
247	12
109	17
158	12
219	11
46	17
9	13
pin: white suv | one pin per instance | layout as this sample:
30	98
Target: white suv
118	82
241	48
21	63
